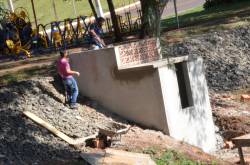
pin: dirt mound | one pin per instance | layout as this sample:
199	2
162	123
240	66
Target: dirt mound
22	141
231	115
226	55
232	126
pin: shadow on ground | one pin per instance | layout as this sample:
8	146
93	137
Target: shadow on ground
24	142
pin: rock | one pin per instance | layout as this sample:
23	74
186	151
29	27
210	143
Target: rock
21	140
245	98
228	145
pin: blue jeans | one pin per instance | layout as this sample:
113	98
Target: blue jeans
72	90
96	47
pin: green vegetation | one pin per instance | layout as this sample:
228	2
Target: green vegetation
25	74
168	157
218	14
172	157
64	9
199	21
211	3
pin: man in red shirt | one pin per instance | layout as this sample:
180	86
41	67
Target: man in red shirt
66	74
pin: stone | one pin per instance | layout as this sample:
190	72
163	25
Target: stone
245	98
21	140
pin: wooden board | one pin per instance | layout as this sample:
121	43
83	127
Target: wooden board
243	141
56	132
111	156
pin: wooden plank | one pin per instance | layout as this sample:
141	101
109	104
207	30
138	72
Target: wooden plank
247	136
112	156
56	131
243	141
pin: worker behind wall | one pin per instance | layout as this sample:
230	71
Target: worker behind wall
96	34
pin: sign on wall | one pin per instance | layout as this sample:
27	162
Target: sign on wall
135	53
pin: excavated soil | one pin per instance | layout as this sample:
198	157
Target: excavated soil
226	57
232	116
24	142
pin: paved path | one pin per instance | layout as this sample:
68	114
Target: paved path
182	5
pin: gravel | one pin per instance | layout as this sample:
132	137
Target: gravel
24	142
226	56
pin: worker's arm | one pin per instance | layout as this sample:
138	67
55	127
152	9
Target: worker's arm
93	33
71	72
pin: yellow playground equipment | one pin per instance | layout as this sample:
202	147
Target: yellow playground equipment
69	34
16	48
18	20
57	39
43	38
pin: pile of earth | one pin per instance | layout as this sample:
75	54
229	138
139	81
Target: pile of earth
231	114
22	141
226	56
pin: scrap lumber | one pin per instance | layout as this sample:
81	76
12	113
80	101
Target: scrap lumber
56	132
112	156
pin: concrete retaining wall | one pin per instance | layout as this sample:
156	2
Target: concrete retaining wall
133	94
168	95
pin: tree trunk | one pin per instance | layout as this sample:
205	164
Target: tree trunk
151	17
114	21
93	8
34	13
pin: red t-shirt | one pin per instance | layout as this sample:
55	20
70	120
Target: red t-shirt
62	67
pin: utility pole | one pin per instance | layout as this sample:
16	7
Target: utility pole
74	5
11	6
99	10
54	8
176	14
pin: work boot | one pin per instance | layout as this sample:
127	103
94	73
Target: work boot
73	106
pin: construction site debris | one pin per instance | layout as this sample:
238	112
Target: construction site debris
245	98
23	142
52	129
111	156
225	53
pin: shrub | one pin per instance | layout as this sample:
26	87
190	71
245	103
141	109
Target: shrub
212	3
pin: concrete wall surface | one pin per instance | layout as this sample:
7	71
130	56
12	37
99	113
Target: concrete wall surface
192	124
150	94
133	94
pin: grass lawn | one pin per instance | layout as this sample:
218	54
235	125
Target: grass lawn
25	74
200	15
198	20
64	8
